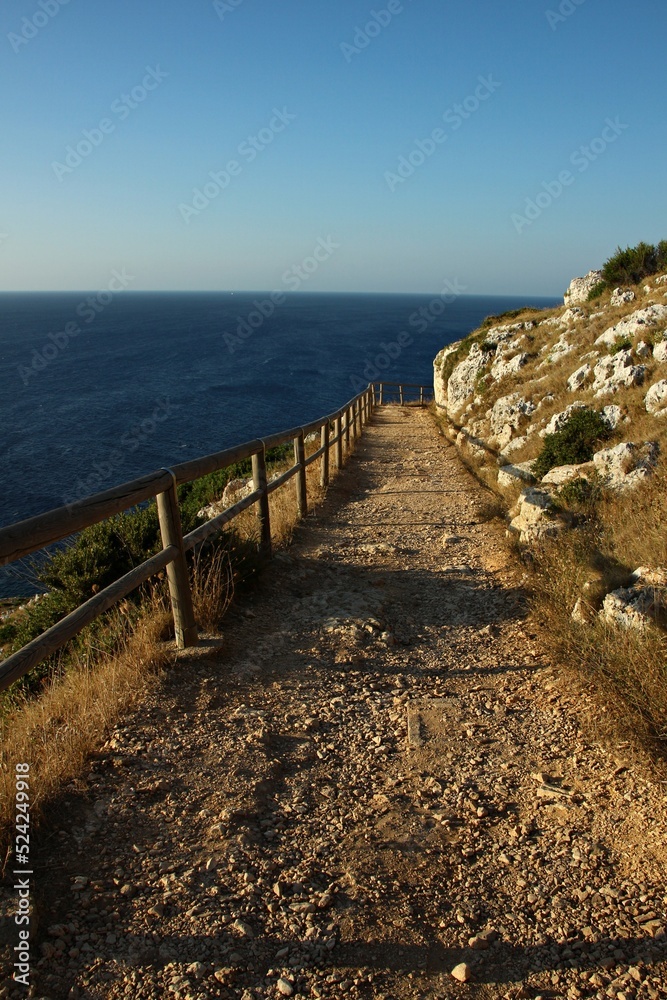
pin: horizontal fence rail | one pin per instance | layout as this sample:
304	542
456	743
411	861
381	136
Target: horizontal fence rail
337	431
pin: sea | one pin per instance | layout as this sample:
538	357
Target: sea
99	388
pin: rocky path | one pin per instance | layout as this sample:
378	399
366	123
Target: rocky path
377	780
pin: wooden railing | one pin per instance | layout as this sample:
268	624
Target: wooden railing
35	533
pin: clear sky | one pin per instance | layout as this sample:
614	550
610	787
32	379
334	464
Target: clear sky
316	105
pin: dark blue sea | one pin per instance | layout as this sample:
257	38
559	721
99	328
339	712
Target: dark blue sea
97	390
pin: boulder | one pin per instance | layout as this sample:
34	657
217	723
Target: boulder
580	287
536	517
616	371
475	446
612	416
627	465
559	420
501	368
463	380
512	411
660	352
513	475
643	350
562	474
637	322
655	400
235	490
622	295
439	386
635	607
572	315
577	379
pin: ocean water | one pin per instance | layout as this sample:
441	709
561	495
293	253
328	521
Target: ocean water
94	393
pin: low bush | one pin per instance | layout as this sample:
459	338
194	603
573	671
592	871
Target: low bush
631	265
575	443
103	553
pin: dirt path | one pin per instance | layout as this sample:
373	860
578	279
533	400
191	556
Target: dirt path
376	779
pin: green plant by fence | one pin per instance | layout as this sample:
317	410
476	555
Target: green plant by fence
337	431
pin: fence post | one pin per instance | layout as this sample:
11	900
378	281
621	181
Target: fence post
347	430
171	530
400	394
324	468
339	442
421	395
300	460
263	516
381	393
355	422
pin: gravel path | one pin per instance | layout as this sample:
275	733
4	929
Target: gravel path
376	780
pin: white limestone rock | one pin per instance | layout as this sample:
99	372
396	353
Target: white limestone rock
634	607
463	380
501	368
572	315
660	352
616	371
514	445
562	474
612	416
643	350
536	518
475	446
439	386
577	379
622	295
559	420
637	322
626	465
655	400
649	576
661	280
513	475
580	287
512	410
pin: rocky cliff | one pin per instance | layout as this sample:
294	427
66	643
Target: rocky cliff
521	377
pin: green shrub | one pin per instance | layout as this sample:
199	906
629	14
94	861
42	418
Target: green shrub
103	553
620	345
597	290
580	493
575	443
633	264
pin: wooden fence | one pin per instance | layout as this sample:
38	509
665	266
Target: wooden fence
337	431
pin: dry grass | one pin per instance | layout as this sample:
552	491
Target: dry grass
628	669
57	732
621	532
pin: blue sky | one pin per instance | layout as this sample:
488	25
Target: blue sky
333	111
